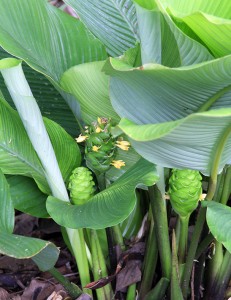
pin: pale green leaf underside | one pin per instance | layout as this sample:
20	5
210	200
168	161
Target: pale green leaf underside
220	9
162	41
91	87
6	206
210	20
155	93
218	218
214	32
110	206
25	247
191	142
17	155
48	39
112	21
27	197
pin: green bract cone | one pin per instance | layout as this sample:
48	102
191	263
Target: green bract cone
184	190
100	146
81	185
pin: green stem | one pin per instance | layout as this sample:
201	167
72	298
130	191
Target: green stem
73	290
198	229
223	278
203	246
118	238
79	249
192	251
227	187
131	294
150	261
99	267
159	290
213	99
182	250
216	261
161	226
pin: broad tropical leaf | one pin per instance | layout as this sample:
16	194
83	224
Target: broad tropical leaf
158	32
6	206
154	93
110	206
44	253
210	20
26	196
218	218
90	86
199	141
112	21
48	39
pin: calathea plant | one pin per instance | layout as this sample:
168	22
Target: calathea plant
159	76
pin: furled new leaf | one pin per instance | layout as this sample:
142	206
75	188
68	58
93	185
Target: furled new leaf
50	102
44	253
108	207
6	206
218	218
112	21
17	155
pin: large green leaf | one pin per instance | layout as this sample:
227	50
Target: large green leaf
155	93
91	87
48	39
50	102
209	19
112	21
218	218
44	253
17	155
201	141
27	197
162	41
108	207
6	206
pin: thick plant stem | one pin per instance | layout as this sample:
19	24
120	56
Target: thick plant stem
131	294
118	238
216	262
183	241
73	290
223	278
99	267
77	241
227	187
161	226
150	261
192	251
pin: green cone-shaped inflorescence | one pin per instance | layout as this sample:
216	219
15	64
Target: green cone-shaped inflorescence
100	146
81	185
185	189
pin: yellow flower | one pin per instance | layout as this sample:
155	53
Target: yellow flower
124	145
98	129
95	148
118	164
81	138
